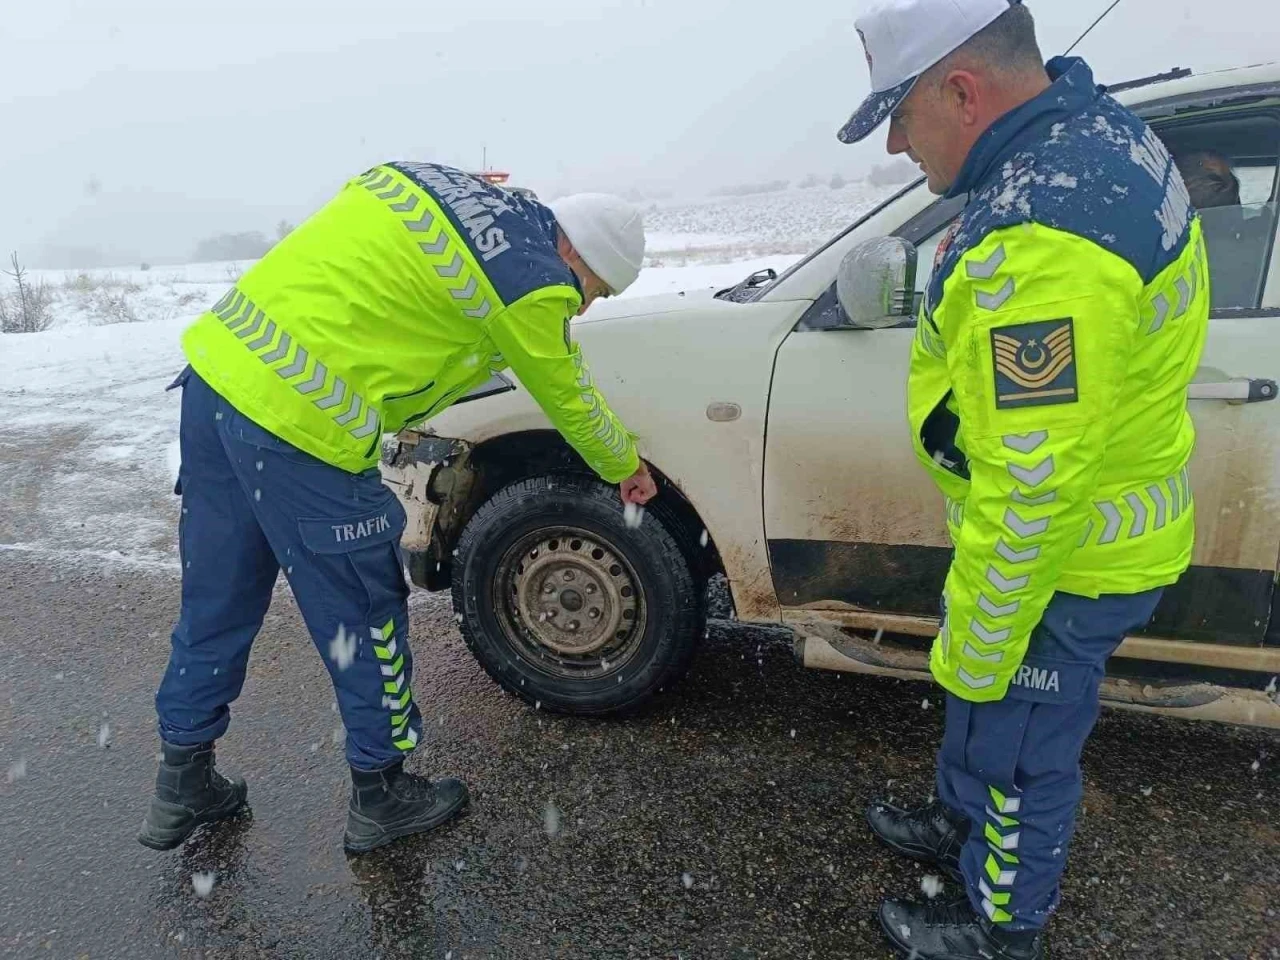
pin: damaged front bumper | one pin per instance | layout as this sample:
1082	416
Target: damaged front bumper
433	479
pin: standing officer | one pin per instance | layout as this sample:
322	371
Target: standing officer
1063	322
408	289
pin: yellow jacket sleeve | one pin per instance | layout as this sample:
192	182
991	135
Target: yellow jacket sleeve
533	336
1039	327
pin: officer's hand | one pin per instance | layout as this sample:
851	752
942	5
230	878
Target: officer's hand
639	488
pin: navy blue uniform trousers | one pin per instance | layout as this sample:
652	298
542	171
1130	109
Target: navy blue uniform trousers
1012	767
253	504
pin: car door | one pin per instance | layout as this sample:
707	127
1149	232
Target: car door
853	524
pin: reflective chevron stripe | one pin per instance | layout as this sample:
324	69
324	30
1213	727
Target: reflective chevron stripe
994	301
1164	308
264	339
1000	877
1000	846
397	692
1006	805
1140	512
975	683
453	270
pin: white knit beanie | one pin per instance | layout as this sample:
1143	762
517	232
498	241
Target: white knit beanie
607	231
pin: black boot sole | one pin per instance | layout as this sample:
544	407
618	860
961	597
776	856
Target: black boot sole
171	836
379	835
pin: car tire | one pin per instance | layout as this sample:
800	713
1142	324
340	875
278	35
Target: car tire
570	607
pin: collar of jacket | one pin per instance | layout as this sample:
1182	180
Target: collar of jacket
1073	88
552	230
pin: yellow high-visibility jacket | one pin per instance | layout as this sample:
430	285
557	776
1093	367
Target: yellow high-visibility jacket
1048	392
408	289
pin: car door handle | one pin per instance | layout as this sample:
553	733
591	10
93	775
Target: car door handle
1242	390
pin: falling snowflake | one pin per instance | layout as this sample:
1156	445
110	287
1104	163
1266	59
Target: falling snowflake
930	885
17	770
924	704
905	931
458	617
687	880
459	865
342	649
338	736
258	465
632	515
551	819
703	539
257	494
58	676
1271	687
793	733
104	736
1255	766
1146	791
202	883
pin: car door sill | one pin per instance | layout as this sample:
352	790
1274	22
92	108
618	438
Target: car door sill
1256	659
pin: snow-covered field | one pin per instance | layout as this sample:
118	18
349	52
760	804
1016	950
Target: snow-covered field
88	435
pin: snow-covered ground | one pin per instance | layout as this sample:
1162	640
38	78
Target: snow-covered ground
88	435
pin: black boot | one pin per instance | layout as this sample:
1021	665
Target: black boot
189	792
386	804
932	834
940	930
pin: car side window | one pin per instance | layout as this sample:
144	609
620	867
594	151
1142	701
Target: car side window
1230	165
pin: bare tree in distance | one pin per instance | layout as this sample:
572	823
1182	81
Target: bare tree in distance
26	310
283	229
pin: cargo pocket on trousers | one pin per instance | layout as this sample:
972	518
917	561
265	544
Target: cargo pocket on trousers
1050	680
370	543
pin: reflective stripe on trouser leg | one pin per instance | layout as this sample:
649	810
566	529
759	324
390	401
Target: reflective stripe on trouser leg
337	536
397	695
1012	766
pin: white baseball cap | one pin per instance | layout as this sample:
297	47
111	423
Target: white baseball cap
607	231
903	39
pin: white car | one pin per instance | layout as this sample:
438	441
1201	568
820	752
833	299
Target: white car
775	418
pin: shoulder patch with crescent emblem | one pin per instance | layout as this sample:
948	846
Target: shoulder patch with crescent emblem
1035	364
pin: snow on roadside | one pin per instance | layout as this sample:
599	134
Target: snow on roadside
88	434
85	433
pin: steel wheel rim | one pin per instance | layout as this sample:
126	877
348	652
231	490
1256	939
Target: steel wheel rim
569	602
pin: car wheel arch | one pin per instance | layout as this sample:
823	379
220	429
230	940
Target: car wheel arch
500	461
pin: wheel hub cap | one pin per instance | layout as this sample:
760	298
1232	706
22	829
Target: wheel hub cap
574	595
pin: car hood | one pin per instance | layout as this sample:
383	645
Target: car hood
646	306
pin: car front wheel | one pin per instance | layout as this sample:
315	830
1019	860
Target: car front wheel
568	605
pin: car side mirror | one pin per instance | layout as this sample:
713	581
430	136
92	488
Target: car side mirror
876	283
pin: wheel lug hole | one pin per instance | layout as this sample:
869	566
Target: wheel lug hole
593	613
569	576
573	625
592	588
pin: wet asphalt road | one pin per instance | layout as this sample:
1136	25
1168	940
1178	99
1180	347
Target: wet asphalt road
724	822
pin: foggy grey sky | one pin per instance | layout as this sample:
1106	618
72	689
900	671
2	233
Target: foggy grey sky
144	125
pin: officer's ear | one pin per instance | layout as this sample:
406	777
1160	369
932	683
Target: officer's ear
961	92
